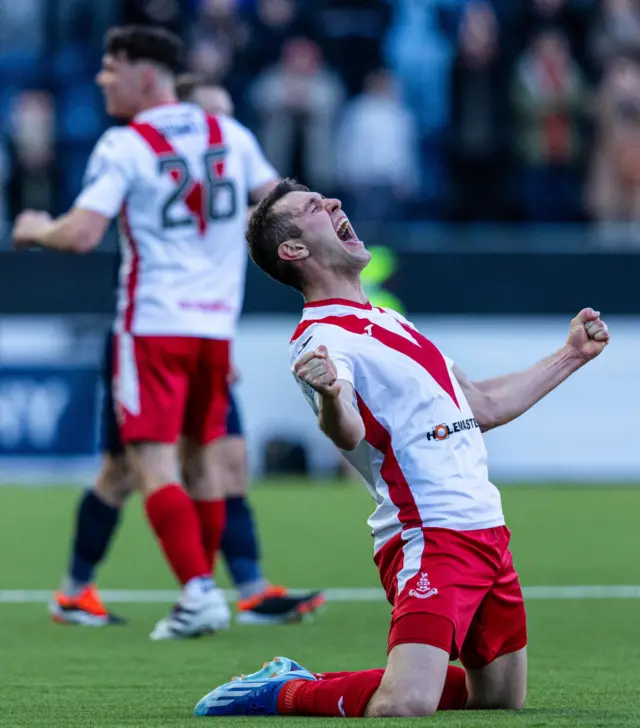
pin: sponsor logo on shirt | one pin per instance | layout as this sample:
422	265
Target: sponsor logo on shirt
442	432
205	305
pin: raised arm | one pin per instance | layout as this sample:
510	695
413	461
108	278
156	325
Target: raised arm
494	402
338	418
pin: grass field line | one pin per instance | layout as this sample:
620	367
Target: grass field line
363	594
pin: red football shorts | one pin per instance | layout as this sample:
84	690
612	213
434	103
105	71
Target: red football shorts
457	590
168	386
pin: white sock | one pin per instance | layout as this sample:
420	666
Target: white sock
71	587
198	586
251	588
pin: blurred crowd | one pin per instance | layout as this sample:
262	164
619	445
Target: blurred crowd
463	110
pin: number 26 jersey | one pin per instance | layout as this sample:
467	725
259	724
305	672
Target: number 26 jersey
178	180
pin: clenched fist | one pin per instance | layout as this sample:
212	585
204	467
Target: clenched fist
588	334
319	372
27	226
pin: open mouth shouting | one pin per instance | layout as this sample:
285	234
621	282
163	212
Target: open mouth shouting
346	234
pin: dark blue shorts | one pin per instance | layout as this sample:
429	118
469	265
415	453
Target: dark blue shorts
234	423
110	441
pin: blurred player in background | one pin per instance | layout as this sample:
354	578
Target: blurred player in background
410	421
179	181
215	100
98	513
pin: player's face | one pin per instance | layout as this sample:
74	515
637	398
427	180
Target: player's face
326	231
121	83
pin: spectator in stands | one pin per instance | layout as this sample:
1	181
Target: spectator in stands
479	132
613	188
32	147
617	29
352	36
296	102
219	40
271	24
173	15
76	30
421	55
572	18
377	152
218	20
210	60
23	44
549	94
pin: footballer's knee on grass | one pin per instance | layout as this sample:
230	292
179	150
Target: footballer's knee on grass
412	683
117	480
202	471
155	465
501	685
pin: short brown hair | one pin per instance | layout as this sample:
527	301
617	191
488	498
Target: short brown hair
187	84
143	43
269	229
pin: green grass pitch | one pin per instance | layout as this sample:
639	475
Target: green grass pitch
584	654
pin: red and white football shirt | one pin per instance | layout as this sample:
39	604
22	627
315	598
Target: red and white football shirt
423	458
179	181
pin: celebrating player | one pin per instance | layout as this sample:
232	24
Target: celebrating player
179	180
410	421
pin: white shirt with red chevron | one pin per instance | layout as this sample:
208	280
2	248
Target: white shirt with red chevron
423	458
179	182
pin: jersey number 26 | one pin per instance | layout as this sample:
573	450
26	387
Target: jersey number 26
213	199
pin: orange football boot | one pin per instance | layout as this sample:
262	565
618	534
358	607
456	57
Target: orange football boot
276	605
85	608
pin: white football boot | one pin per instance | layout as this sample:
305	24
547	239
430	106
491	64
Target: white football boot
202	609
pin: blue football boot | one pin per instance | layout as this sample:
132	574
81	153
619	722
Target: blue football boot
255	694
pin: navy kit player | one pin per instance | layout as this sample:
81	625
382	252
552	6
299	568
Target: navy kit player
179	180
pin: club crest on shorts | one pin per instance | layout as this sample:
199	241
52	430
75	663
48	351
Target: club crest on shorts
423	589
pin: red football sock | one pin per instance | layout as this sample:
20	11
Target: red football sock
174	519
334	675
347	694
212	515
454	694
